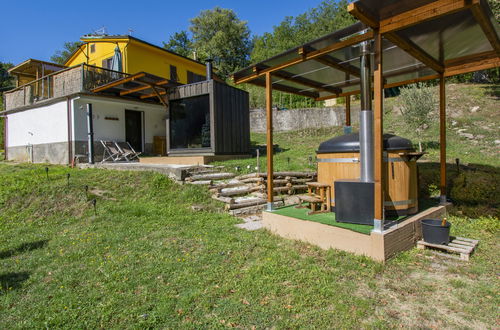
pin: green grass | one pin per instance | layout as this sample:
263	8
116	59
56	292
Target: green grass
147	260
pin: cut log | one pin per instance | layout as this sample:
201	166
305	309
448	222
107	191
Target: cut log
247	176
252	209
250	180
238	191
210	176
243	205
227	200
295	174
203	182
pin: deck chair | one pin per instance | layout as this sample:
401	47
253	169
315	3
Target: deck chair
111	152
127	151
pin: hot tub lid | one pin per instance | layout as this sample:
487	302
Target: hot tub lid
350	143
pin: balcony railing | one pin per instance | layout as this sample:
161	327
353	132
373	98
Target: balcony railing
77	79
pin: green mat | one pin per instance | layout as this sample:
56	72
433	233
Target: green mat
324	218
329	218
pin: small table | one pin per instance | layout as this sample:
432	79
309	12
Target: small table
317	193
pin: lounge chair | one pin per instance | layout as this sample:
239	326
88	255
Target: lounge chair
111	152
127	151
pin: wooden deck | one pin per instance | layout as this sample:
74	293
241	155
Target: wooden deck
378	246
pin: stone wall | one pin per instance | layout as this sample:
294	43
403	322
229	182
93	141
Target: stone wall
297	119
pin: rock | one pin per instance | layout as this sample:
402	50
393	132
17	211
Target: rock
497	141
454	123
253	225
197	207
480	136
467	135
474	109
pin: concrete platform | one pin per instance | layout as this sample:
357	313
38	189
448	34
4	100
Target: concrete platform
175	172
378	246
189	160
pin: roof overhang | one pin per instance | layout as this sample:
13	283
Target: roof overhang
141	86
32	67
422	39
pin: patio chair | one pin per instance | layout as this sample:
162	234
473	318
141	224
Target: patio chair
127	151
111	152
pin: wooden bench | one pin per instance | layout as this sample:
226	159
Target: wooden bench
318	194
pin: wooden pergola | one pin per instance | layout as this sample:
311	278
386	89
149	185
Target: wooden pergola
413	41
141	85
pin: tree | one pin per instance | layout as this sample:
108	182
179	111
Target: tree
417	101
61	56
220	35
180	43
6	80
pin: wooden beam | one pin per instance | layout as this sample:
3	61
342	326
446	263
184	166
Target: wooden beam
470	58
162	101
442	137
147	96
415	51
424	13
141	88
378	111
287	89
348	110
309	56
335	64
306	82
363	14
396	84
488	28
367	17
481	64
269	130
118	82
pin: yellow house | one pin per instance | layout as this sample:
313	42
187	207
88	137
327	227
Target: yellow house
137	56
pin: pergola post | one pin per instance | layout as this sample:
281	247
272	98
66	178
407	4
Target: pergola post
378	87
347	128
442	137
269	148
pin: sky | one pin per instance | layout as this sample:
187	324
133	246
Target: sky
36	29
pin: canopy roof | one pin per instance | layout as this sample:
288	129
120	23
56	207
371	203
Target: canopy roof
32	67
141	85
421	40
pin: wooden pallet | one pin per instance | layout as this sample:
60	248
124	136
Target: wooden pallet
460	245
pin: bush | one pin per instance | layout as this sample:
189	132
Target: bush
417	101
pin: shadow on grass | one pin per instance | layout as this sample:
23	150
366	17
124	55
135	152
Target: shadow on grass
25	247
429	145
13	280
472	188
492	90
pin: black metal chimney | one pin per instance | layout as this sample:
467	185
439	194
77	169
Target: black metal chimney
209	69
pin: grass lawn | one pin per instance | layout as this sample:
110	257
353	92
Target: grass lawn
147	260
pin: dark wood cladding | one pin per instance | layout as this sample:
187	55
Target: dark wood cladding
229	116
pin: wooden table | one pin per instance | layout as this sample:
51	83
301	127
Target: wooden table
318	194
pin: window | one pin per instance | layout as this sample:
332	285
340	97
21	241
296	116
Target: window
107	63
173	73
193	77
92	48
190	123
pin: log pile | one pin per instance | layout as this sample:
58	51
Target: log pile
247	194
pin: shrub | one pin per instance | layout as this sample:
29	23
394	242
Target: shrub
417	101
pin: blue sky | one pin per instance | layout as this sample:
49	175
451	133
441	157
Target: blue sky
36	29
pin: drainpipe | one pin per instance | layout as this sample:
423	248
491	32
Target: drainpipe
366	116
209	69
90	130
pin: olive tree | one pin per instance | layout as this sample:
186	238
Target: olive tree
416	102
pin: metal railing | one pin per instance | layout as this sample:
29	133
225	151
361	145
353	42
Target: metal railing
76	79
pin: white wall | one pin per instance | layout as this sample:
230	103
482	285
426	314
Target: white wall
48	124
114	130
